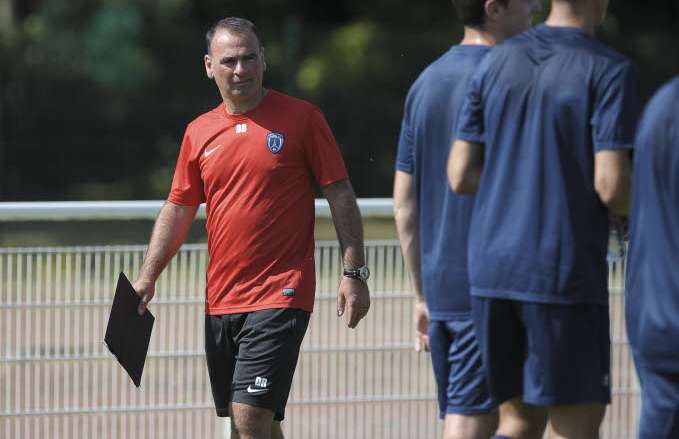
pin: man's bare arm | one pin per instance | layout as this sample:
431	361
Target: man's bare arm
465	165
613	180
169	232
405	214
407	226
353	293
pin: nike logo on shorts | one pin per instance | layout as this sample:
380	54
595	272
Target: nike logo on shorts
256	390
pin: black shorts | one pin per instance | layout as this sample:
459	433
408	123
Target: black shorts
251	357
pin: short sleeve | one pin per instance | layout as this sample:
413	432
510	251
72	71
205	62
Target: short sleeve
187	184
322	152
616	109
470	123
405	154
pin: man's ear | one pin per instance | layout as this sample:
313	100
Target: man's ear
263	58
492	9
208	66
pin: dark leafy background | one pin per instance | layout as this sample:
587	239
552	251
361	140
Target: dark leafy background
95	94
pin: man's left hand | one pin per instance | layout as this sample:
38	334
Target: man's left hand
353	295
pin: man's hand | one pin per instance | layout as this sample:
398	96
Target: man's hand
421	326
145	290
354	294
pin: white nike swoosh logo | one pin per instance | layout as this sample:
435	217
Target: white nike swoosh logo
210	151
250	389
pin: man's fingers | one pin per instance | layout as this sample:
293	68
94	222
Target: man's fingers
340	304
421	343
141	309
353	316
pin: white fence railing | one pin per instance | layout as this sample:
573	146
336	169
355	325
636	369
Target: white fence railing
58	380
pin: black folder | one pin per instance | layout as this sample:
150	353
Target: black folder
128	333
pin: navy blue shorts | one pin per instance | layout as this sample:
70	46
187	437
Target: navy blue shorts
659	404
458	368
548	354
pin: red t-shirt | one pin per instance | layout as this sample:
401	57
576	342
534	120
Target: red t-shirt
255	172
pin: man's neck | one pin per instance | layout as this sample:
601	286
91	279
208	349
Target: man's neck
476	36
235	108
577	15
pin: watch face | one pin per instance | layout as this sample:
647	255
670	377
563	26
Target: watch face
364	273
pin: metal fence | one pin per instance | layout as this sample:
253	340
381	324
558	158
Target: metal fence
58	380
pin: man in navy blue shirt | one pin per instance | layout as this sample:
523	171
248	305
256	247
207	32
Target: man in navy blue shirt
652	301
433	222
544	136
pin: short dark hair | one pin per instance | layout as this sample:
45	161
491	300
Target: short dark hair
232	24
473	12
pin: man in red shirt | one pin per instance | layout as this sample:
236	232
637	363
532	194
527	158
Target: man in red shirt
253	160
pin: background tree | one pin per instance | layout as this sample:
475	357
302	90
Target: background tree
95	94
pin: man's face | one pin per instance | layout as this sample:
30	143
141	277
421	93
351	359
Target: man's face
236	63
517	16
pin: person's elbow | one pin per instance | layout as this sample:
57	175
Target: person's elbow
465	164
462	179
614	192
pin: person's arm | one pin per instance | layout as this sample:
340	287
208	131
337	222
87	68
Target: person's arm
353	294
407	226
613	180
169	232
465	165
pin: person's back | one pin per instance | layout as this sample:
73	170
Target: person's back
652	286
433	222
431	112
548	109
544	139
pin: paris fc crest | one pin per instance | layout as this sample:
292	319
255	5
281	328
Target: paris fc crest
274	141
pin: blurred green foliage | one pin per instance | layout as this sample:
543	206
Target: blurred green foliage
95	94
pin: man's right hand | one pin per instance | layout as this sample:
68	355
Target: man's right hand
145	291
421	326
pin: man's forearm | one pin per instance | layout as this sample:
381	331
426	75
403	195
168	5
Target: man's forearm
347	219
407	227
169	232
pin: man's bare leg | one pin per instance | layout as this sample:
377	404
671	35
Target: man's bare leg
276	432
522	421
469	426
248	422
578	421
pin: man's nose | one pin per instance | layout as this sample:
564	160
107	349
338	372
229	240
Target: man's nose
239	67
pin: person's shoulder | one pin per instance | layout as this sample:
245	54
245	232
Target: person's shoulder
604	51
661	105
668	93
210	117
432	71
290	103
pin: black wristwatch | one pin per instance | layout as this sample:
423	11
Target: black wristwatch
360	273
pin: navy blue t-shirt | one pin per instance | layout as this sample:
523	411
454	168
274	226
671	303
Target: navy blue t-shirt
652	302
544	102
427	130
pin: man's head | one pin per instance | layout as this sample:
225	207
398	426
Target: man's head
502	17
235	60
594	9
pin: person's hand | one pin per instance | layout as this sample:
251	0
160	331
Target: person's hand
145	290
354	296
421	326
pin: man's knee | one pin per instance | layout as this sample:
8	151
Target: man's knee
522	421
469	427
250	422
578	421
